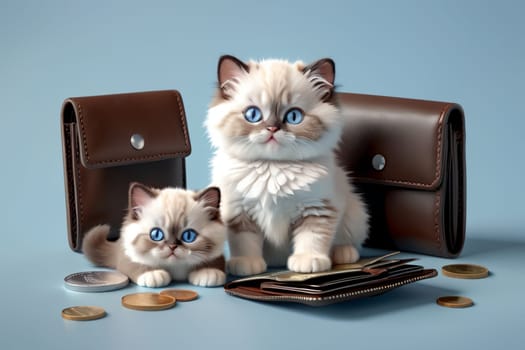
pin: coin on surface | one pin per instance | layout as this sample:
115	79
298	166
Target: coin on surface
454	301
83	313
148	301
96	281
181	294
468	271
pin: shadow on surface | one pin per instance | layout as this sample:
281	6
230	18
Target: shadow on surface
493	244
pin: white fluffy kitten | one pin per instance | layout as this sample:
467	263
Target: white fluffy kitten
168	234
285	199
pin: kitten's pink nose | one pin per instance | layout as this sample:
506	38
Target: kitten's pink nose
272	128
172	246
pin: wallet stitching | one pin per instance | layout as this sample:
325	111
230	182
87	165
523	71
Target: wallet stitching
80	196
437	204
364	291
83	131
147	157
182	120
437	174
439	147
78	175
461	214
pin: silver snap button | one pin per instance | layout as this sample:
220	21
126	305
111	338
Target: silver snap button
137	141
378	162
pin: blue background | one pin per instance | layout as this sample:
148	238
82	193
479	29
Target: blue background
470	52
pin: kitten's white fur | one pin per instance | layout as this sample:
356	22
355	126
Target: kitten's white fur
207	277
153	279
155	215
277	184
155	262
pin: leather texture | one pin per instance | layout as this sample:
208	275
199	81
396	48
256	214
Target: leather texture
100	161
337	285
253	291
417	201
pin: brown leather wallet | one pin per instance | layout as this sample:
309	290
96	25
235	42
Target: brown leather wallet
367	277
110	141
407	158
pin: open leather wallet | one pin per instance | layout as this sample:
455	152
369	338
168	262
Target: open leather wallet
367	277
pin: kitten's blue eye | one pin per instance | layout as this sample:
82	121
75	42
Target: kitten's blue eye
294	116
189	236
156	234
253	114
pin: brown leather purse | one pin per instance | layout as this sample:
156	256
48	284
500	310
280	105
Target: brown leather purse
112	140
407	158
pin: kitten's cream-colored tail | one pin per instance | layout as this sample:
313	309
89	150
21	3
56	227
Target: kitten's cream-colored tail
98	249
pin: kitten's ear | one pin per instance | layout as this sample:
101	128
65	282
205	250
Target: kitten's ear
228	69
211	198
139	197
322	74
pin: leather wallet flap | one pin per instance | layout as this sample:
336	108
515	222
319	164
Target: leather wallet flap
128	128
395	141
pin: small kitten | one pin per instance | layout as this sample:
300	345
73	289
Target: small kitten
286	200
168	234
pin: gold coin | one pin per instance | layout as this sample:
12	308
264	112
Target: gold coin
148	301
83	313
181	294
454	301
468	271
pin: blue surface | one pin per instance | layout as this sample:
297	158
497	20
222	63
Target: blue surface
470	52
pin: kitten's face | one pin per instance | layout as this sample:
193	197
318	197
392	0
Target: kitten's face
173	226
274	110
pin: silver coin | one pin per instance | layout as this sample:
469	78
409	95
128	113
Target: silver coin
96	281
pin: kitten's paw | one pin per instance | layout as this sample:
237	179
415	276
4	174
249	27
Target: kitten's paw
344	254
207	277
307	263
155	278
246	266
